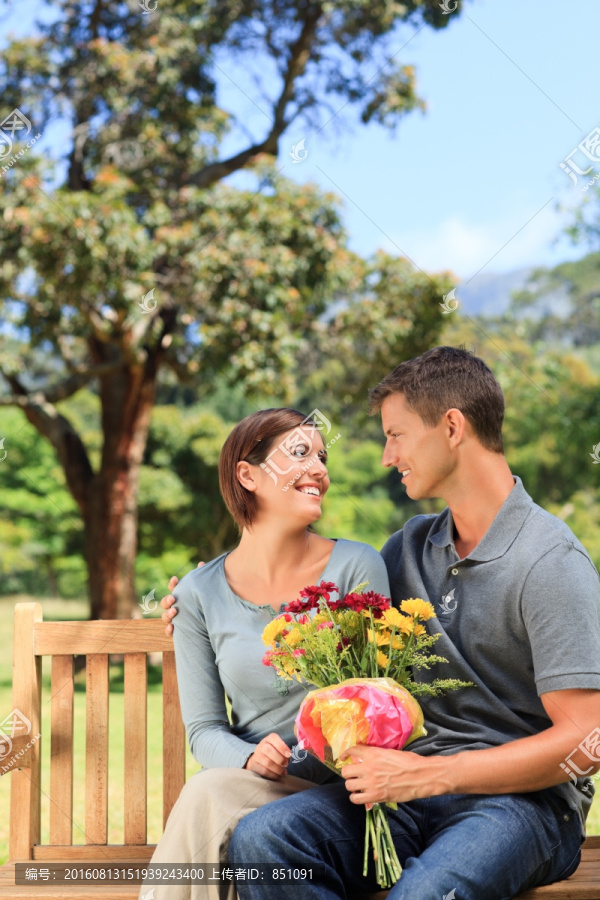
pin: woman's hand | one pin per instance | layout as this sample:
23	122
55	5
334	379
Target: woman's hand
271	757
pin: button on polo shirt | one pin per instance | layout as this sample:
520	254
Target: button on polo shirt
519	616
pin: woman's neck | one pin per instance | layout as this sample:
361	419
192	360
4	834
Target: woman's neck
268	553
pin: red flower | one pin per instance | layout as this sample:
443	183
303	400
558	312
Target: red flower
299	652
335	604
324	625
309	597
377	601
345	642
270	655
324	589
368	600
300	606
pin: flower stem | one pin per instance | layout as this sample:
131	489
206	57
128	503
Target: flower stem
367	844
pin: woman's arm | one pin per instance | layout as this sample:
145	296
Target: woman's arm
202	698
201	693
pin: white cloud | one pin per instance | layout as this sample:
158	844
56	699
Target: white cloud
465	247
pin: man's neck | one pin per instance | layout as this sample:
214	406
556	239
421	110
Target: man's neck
476	503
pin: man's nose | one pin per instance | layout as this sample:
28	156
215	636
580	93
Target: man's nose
387	457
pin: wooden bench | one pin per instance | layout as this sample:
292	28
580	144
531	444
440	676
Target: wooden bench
135	638
34	638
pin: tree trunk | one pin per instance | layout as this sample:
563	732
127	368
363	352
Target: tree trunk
111	544
111	516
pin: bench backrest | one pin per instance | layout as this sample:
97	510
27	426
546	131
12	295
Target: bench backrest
135	638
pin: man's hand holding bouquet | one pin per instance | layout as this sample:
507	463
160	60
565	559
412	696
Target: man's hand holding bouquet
360	654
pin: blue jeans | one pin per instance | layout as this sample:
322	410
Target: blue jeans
484	847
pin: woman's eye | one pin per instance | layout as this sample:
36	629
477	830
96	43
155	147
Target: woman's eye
300	450
322	454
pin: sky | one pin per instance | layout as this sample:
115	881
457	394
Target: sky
474	183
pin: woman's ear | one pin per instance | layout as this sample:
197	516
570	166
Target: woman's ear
245	475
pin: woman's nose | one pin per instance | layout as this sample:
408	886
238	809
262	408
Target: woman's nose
318	467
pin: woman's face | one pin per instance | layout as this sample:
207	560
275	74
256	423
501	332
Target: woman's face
293	478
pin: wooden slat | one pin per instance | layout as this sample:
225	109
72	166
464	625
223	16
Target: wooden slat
136	727
61	751
19	756
8	890
173	738
111	636
84	852
96	749
25	814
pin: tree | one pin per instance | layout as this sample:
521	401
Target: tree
552	421
573	287
40	527
141	260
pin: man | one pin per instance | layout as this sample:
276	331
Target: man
489	801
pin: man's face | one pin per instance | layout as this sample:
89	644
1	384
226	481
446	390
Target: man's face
419	451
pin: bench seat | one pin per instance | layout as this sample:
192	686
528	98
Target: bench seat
34	638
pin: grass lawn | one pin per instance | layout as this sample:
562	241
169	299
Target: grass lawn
70	609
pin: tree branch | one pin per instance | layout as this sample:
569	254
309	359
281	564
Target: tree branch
299	57
56	392
58	430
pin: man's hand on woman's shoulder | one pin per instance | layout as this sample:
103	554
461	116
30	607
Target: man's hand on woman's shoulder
167	603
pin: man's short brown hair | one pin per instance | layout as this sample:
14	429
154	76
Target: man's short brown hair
252	440
448	378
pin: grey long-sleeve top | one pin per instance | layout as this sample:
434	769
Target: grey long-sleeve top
219	648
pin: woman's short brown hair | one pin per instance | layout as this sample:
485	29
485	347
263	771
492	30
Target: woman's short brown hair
445	378
252	440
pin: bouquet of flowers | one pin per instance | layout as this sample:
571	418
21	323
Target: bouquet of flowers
360	653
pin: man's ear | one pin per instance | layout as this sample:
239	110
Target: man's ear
455	425
245	474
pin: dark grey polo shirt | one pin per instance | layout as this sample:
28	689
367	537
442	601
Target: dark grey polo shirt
519	616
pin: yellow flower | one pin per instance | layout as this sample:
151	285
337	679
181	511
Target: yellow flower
294	637
393	618
382	659
421	608
273	629
419	630
397	643
378	637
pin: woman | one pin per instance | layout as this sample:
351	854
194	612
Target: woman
273	477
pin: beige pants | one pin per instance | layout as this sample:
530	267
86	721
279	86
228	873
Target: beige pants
202	821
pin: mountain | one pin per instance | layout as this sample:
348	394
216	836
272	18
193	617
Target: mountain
489	294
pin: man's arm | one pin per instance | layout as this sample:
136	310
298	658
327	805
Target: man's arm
168	604
527	764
